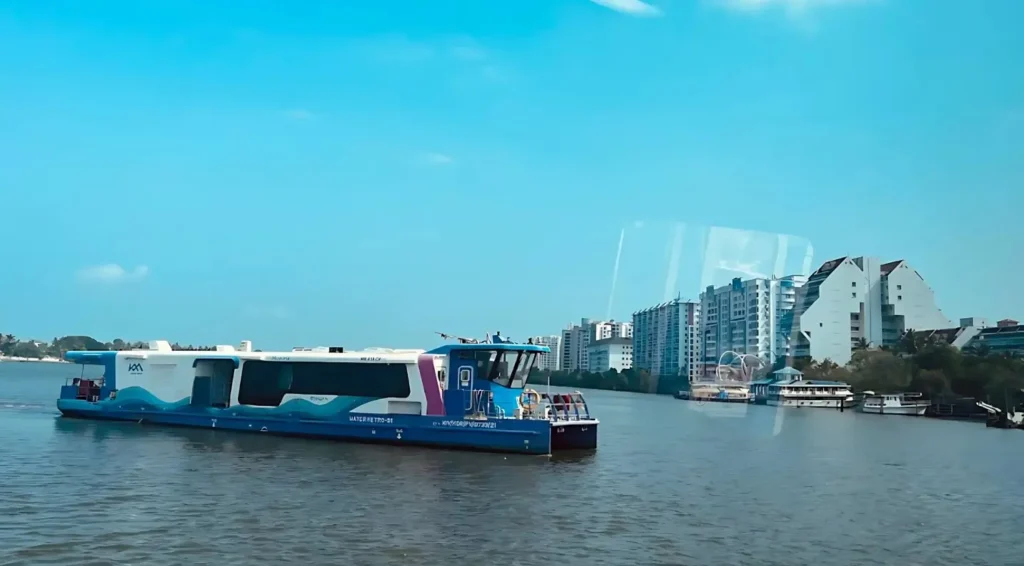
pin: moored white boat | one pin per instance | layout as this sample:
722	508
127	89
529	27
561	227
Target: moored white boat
909	404
720	392
810	393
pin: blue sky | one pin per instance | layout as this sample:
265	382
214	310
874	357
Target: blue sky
365	173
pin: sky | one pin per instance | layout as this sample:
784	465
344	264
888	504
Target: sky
367	173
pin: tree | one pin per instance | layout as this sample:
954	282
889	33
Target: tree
878	371
7	342
931	382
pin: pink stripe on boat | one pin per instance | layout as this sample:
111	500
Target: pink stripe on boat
431	386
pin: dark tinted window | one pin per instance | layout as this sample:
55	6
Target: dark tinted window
263	383
266	383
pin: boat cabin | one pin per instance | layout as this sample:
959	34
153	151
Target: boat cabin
486	379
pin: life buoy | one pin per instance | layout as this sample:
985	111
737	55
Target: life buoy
532	399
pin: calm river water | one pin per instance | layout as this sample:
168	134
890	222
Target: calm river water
672	483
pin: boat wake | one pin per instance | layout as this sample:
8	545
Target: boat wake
15	405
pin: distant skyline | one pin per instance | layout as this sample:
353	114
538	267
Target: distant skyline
312	173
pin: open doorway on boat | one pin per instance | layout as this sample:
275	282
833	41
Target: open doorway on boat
211	386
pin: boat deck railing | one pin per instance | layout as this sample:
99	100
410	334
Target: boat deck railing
566	406
548	406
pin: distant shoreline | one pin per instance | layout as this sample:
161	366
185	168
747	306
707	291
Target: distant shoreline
47	360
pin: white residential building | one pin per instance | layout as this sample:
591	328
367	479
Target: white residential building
747	317
665	339
853	299
551	361
611	329
576	337
610	353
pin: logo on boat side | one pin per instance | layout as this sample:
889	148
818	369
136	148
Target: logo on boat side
135	368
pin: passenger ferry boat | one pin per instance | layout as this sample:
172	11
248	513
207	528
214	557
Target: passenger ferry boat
717	392
466	395
810	393
894	404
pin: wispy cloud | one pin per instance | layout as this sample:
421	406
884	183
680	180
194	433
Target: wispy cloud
793	7
299	114
466	49
394	48
750	269
631	7
401	49
461	55
112	273
268	312
434	158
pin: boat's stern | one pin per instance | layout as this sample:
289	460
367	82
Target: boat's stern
572	427
96	382
574	435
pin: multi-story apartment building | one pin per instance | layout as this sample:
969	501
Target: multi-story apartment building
610	353
665	339
551	361
577	337
747	317
853	299
611	329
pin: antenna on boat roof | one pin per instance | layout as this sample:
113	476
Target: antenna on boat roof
459	338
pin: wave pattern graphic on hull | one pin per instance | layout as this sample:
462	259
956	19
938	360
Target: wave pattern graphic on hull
140	399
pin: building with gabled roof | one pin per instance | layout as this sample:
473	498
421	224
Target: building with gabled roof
851	301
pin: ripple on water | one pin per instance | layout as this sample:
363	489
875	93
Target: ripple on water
668	486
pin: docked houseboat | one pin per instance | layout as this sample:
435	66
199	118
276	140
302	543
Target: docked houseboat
810	393
759	389
717	392
467	395
909	404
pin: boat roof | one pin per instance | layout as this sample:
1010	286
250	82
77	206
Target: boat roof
107	357
379	354
812	383
501	346
92	358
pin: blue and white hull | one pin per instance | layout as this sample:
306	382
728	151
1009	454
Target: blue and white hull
337	396
495	435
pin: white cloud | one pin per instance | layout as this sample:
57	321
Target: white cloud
631	7
299	114
112	273
433	158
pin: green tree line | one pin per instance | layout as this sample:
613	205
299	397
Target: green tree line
11	346
921	364
612	380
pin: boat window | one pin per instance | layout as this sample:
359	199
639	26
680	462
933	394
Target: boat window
526	361
484	359
265	383
512	367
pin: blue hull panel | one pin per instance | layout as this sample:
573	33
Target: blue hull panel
495	435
